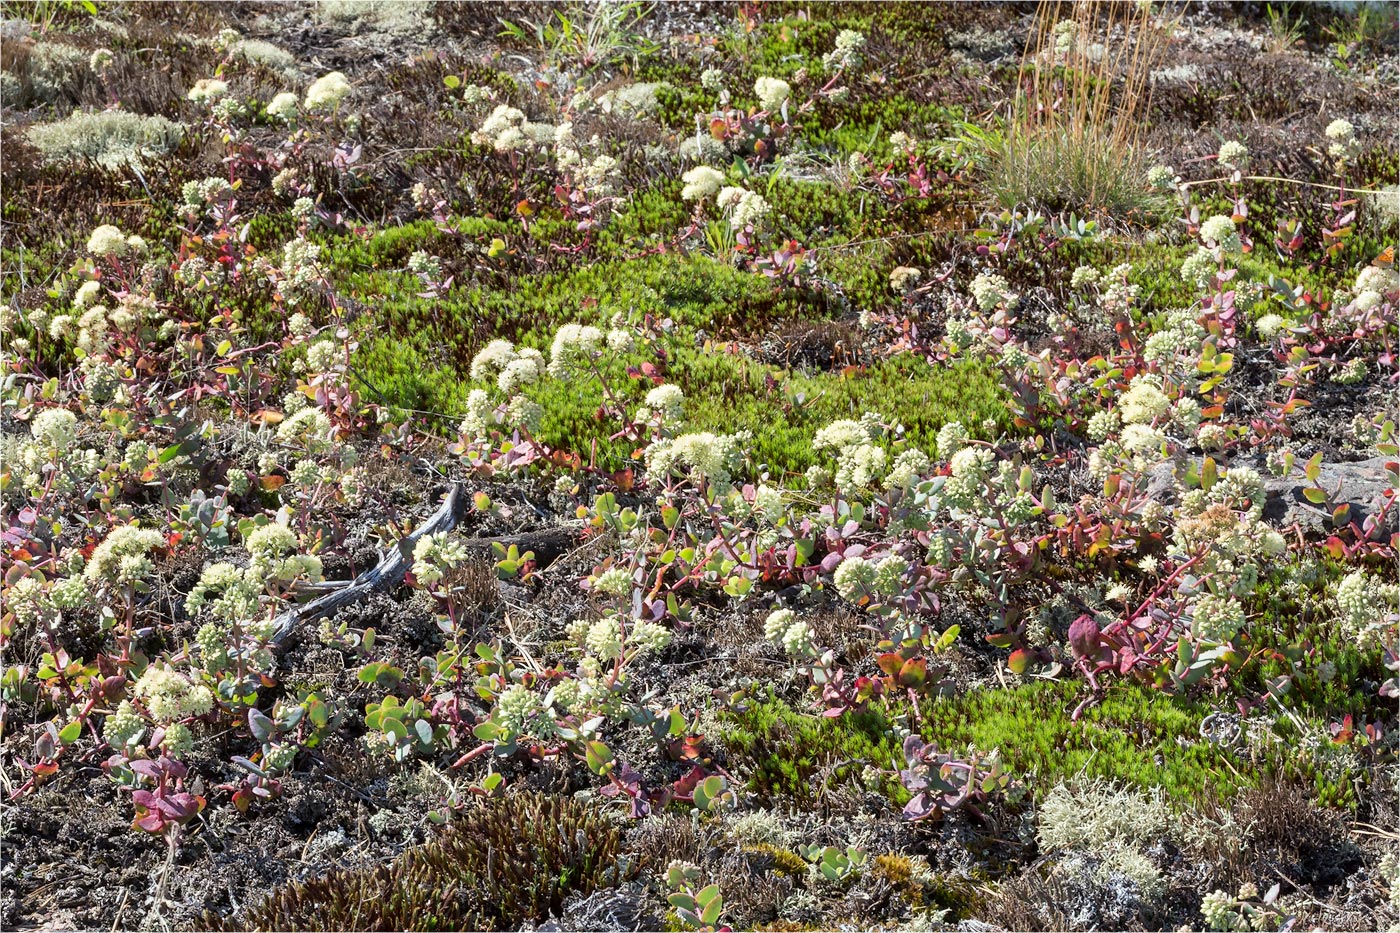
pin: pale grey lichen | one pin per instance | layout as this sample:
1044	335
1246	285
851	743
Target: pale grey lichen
111	139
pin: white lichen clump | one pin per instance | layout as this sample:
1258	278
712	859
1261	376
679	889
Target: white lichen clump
1112	823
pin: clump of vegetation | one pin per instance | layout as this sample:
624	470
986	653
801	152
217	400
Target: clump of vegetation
506	860
788	754
44	73
397	17
110	139
1135	736
1111	823
1073	142
635	404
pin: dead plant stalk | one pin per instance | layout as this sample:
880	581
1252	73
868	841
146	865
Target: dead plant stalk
1088	92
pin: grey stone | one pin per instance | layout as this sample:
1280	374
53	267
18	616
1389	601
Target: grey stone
1362	485
1161	483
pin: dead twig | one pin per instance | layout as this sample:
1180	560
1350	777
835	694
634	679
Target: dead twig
394	565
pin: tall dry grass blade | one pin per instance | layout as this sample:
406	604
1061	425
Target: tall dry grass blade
1082	89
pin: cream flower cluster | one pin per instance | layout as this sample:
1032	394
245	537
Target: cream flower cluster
1269	326
473	94
481	414
701	182
55	430
597	174
615	581
309	429
327	92
227	591
605	640
860	459
850	48
271	548
1118	295
782	627
1232	154
1343	142
1372	285
123	727
1226	528
507	129
30	604
854	579
1177	343
968	470
1362	605
702	457
170	696
517	707
1140	418
952	437
1216	619
107	240
422	263
208	90
989	290
300	270
667	401
283	106
322	355
123	557
574	345
511	368
909	465
772	93
93	323
1220	233
1144	402
744	207
1200	267
904	278
768	501
1066	33
50	458
434	555
857	579
200	193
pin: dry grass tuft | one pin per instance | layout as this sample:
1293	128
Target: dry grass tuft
1072	143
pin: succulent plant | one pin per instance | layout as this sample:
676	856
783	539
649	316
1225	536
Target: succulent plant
941	782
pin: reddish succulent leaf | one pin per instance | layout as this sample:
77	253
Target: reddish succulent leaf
889	663
914	673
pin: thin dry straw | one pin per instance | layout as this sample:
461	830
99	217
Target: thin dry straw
1078	102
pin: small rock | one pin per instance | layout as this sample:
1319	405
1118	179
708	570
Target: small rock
1361	484
1161	483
